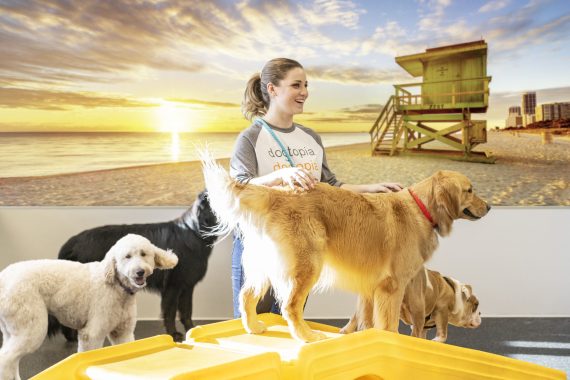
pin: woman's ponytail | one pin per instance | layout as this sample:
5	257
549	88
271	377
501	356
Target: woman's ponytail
253	104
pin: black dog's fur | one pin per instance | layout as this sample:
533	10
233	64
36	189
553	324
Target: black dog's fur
184	235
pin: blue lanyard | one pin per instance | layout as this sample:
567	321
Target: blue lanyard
268	129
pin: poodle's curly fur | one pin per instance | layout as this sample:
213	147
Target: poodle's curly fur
95	298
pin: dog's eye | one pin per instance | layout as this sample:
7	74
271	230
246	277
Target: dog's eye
128	256
475	306
470	190
143	254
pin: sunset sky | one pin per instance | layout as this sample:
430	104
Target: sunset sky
183	65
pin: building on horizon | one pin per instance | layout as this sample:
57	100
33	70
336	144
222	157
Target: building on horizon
514	120
528	108
552	111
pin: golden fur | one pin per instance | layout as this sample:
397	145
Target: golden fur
371	244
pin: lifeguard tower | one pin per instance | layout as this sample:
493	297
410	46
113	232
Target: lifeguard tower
434	117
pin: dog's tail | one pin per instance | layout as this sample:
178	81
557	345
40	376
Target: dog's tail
231	201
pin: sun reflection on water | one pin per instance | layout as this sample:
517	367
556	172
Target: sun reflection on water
174	146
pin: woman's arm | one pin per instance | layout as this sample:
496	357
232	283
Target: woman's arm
373	187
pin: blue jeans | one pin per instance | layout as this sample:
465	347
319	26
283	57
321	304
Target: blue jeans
268	303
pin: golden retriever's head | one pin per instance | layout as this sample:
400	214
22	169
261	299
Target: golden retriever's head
453	198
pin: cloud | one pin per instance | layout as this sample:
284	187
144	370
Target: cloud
330	12
90	41
432	14
493	6
364	113
60	100
391	39
205	103
99	42
62	47
552	30
356	74
362	109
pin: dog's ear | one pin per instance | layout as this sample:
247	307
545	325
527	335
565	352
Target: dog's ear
110	264
450	282
110	261
164	259
447	194
445	202
466	291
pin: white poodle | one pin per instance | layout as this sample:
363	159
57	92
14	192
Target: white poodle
95	298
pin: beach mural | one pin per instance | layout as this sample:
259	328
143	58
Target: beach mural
106	103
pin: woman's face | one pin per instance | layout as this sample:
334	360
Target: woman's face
290	95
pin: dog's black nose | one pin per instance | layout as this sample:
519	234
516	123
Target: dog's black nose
488	207
140	273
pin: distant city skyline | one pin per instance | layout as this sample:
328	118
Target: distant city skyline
175	66
532	110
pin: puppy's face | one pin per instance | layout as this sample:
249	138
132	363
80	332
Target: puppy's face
466	312
455	192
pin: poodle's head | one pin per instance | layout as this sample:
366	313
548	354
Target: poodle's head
133	258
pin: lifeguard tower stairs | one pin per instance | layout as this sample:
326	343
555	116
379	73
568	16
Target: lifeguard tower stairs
434	117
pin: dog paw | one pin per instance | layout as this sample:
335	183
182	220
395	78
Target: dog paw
177	337
439	339
256	327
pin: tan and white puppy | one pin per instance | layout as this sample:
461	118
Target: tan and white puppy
431	300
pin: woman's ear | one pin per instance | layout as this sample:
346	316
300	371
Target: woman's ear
271	89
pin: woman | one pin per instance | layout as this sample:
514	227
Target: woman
275	151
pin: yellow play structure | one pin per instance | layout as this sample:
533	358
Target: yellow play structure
225	351
434	117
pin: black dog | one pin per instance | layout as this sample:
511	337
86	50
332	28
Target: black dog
184	235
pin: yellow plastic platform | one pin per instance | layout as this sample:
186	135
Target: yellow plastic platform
225	351
161	358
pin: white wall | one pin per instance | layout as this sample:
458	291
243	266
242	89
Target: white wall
517	259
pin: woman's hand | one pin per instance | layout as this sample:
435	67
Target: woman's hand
295	178
385	187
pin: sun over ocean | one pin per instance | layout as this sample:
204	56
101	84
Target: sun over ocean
41	154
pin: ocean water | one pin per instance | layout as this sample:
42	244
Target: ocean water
40	154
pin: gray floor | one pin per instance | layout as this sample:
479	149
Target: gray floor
544	341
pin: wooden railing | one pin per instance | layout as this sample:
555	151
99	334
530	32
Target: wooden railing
405	95
382	122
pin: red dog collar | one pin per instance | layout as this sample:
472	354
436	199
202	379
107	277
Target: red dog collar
422	207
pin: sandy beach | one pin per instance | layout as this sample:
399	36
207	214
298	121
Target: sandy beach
526	173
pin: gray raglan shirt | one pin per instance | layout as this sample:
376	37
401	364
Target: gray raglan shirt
256	153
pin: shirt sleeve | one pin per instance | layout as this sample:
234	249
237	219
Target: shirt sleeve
243	163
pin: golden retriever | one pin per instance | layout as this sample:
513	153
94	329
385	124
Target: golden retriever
371	244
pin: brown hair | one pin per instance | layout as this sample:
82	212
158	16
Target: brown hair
255	98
